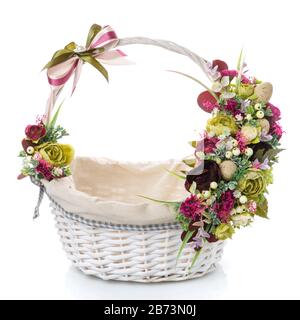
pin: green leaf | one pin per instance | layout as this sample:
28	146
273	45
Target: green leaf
195	258
95	63
271	154
262	208
171	203
198	81
189	162
54	118
183	220
193	188
187	237
193	143
240	70
175	174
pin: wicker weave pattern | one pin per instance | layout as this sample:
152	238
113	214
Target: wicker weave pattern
144	256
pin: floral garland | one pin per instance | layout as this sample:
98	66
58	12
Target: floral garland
43	157
232	162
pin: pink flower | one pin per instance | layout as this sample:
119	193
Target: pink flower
241	141
210	144
229	73
37	156
252	206
192	207
225	205
276	129
234	73
261	166
44	168
276	114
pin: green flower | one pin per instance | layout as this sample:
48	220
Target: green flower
224	231
241	220
245	90
56	154
220	124
252	184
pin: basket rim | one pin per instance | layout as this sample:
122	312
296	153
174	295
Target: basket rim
98	224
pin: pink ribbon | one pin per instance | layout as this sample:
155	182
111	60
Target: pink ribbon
58	75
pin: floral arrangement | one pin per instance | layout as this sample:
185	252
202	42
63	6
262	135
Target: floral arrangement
43	157
232	163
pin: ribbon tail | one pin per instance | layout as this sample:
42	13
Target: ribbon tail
77	75
40	199
113	57
54	93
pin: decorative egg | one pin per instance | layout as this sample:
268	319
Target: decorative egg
265	125
228	169
264	91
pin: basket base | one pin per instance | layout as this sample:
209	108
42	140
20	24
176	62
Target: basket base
138	256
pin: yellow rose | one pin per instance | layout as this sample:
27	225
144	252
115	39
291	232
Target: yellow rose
252	184
220	124
57	154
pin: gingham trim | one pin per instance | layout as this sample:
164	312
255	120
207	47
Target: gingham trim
94	223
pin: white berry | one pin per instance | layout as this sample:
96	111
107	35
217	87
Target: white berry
206	194
30	150
258	106
260	114
214	185
243	199
236	151
249	152
234	142
228	154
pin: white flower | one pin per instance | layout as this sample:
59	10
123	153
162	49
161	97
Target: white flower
239	117
58	172
241	220
227	95
237	193
212	72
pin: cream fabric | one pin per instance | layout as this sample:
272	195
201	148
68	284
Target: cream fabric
106	190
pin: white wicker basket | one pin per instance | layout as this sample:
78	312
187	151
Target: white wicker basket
129	255
132	253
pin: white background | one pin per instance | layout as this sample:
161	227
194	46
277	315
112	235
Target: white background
145	113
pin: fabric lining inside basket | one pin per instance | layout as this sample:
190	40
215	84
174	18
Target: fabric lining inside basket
107	190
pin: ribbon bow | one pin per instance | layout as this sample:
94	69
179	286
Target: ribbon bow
68	61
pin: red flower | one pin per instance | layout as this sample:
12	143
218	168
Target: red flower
192	207
231	106
210	144
35	132
211	172
225	205
44	168
276	114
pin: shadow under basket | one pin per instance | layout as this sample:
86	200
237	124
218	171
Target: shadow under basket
129	242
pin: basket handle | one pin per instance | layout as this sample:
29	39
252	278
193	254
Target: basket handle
169	45
69	61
